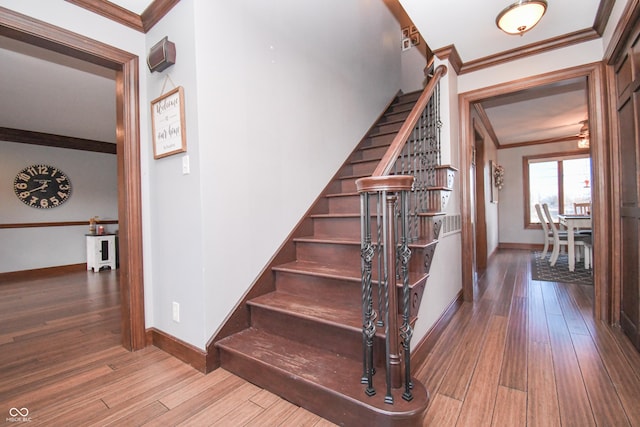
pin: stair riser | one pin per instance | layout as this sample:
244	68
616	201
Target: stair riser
386	128
336	339
318	287
364	168
373	153
380	140
326	402
348	185
395	116
346	228
345	204
328	253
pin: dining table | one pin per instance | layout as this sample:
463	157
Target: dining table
573	223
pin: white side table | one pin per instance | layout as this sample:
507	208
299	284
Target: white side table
101	251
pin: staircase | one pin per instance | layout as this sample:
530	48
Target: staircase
305	338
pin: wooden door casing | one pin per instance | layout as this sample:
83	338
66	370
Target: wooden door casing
627	84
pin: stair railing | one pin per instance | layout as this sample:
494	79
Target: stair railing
397	190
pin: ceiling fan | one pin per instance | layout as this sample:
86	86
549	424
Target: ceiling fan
583	134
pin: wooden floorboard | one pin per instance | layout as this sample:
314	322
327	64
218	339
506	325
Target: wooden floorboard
525	353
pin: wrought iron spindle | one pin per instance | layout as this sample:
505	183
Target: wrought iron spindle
406	331
368	315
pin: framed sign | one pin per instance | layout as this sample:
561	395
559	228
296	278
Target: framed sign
168	124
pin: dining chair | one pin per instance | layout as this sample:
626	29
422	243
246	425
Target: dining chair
582	208
548	235
560	240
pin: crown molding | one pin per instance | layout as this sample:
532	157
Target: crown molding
559	42
143	23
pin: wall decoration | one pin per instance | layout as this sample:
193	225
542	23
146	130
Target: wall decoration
42	186
497	180
405	33
415	39
406	44
414	30
168	124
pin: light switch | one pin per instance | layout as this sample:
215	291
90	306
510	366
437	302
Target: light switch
185	165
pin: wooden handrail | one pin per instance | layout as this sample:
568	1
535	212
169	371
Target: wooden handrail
389	158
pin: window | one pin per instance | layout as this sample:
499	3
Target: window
559	180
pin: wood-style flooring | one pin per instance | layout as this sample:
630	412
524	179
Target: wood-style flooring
525	353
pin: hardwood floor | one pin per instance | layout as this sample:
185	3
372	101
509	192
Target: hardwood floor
525	353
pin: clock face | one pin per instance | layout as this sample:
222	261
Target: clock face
42	186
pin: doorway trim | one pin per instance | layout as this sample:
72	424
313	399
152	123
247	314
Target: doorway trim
597	102
24	28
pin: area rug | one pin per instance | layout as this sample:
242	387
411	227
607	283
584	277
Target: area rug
541	270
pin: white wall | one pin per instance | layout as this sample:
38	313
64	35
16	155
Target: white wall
278	94
413	63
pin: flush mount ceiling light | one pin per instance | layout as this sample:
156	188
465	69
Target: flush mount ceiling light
521	16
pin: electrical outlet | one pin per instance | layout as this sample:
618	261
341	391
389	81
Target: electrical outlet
176	312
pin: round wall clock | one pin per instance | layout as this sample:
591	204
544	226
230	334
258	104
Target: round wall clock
42	186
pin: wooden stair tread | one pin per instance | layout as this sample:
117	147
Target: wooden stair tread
345	194
331	311
321	270
342	272
301	366
336	215
420	243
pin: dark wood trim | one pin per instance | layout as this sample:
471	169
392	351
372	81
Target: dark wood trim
155	12
623	31
450	53
52	140
486	124
540	141
53	224
602	16
423	348
179	349
601	185
615	160
559	42
38	273
143	22
27	29
130	205
112	11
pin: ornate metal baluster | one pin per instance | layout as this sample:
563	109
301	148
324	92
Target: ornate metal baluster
368	315
380	254
387	296
406	331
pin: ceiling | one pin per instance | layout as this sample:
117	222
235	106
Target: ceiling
540	114
135	6
39	82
